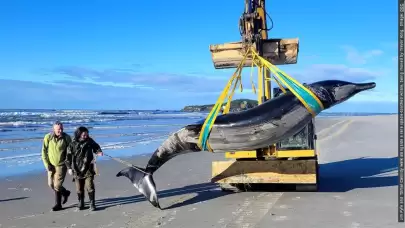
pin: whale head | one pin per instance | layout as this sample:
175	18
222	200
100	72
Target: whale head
333	92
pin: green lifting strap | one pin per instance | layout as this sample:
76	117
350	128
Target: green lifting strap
306	97
206	131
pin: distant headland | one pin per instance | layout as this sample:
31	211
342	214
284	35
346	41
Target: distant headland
236	105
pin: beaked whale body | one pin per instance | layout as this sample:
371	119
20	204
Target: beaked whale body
263	125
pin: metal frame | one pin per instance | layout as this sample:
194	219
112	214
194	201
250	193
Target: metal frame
253	28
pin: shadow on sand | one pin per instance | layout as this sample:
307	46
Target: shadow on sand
343	176
12	199
205	191
350	174
338	176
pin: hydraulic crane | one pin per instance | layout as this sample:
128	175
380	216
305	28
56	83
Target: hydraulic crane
291	161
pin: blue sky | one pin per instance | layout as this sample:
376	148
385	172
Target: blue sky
138	55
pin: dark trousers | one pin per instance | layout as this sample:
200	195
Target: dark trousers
83	183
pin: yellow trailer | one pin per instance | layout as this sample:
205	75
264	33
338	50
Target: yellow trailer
291	161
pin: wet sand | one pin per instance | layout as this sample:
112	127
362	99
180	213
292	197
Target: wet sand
358	188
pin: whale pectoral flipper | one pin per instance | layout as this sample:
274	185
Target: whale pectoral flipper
143	182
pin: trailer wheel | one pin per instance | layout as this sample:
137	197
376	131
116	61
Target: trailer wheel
306	187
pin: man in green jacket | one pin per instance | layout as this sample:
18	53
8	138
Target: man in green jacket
54	149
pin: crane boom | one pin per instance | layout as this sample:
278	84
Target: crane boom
253	29
253	25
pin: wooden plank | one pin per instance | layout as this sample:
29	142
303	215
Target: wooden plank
241	154
295	153
270	171
276	51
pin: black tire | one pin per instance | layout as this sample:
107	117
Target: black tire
306	187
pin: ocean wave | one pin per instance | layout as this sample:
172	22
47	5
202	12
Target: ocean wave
72	128
36	124
5	130
34	119
83	113
33	124
135	126
20	156
19	140
104	147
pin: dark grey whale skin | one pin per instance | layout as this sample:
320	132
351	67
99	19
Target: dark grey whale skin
263	125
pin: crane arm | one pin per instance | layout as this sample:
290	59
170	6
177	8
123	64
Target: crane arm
253	24
253	30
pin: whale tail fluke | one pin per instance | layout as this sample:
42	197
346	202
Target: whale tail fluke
143	182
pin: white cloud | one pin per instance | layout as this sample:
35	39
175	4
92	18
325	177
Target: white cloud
206	86
356	57
203	83
318	72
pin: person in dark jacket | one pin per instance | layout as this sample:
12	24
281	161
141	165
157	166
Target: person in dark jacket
80	163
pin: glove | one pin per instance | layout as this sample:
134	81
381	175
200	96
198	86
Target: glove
70	171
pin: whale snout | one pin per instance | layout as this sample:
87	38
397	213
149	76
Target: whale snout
365	86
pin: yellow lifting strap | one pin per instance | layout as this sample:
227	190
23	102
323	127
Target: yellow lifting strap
308	99
238	81
209	121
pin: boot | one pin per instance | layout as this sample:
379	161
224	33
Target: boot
80	198
65	194
92	201
58	201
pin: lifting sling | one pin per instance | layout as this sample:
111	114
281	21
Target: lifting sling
307	98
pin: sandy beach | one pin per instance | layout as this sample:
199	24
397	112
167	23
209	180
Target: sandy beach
358	188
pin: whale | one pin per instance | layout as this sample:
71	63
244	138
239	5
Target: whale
255	128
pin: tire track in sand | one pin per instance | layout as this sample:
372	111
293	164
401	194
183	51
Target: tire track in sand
345	124
327	129
251	211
